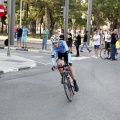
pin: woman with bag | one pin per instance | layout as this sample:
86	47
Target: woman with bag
77	43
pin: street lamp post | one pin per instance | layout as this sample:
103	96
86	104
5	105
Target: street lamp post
20	12
73	21
9	25
89	19
66	18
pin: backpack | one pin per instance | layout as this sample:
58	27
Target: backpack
6	42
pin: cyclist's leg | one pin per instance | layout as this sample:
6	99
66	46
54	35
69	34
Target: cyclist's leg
73	77
59	63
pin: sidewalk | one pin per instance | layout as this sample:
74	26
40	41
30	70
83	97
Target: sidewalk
14	63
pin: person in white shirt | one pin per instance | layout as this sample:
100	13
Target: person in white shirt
96	39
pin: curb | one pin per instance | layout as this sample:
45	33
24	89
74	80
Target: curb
1	47
18	69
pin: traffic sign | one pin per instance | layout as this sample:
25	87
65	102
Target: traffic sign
2	10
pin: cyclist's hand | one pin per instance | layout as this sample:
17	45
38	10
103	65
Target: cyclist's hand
53	68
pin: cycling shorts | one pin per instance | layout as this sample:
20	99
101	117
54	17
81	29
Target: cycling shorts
107	45
64	56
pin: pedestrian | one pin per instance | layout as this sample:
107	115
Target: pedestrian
45	38
19	35
114	39
24	37
77	43
108	43
96	39
85	42
62	34
69	41
15	31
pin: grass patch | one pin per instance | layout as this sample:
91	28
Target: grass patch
35	36
30	35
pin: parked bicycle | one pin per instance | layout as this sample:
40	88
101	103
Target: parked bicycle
105	53
67	82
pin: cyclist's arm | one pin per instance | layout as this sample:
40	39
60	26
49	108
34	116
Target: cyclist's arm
54	56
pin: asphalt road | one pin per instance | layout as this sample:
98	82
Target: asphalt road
36	94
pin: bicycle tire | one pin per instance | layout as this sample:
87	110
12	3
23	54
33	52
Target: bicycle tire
117	56
104	54
68	87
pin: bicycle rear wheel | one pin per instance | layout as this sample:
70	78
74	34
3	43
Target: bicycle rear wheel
104	54
117	56
68	86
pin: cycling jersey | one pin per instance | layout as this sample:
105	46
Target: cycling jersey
63	48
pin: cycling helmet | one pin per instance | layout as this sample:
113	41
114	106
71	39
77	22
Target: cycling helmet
55	38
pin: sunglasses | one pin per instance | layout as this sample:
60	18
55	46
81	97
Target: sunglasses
55	43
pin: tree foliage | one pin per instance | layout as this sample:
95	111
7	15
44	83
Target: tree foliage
48	12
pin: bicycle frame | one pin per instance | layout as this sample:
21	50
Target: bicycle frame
67	82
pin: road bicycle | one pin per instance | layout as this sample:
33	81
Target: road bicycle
67	82
105	53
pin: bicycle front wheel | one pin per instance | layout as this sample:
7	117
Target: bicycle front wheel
104	54
68	87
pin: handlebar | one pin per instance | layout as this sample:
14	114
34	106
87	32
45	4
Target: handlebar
56	67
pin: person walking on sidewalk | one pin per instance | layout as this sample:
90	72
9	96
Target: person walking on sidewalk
85	42
45	38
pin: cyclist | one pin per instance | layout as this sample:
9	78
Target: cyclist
58	52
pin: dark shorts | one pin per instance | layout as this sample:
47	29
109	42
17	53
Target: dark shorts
96	46
19	39
64	56
107	45
69	45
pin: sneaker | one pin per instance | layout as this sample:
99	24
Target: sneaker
113	59
90	50
81	51
77	56
76	87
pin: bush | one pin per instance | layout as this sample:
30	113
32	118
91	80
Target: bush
35	36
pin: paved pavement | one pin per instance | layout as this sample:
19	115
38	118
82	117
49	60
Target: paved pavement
14	63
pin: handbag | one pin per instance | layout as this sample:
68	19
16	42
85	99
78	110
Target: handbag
75	43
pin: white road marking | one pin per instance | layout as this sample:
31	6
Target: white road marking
79	58
44	63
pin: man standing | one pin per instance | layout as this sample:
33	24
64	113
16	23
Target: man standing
19	35
114	38
85	42
45	38
24	37
78	42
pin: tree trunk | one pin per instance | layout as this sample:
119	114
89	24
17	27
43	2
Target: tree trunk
47	19
33	26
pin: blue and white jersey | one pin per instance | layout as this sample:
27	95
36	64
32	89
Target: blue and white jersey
63	48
